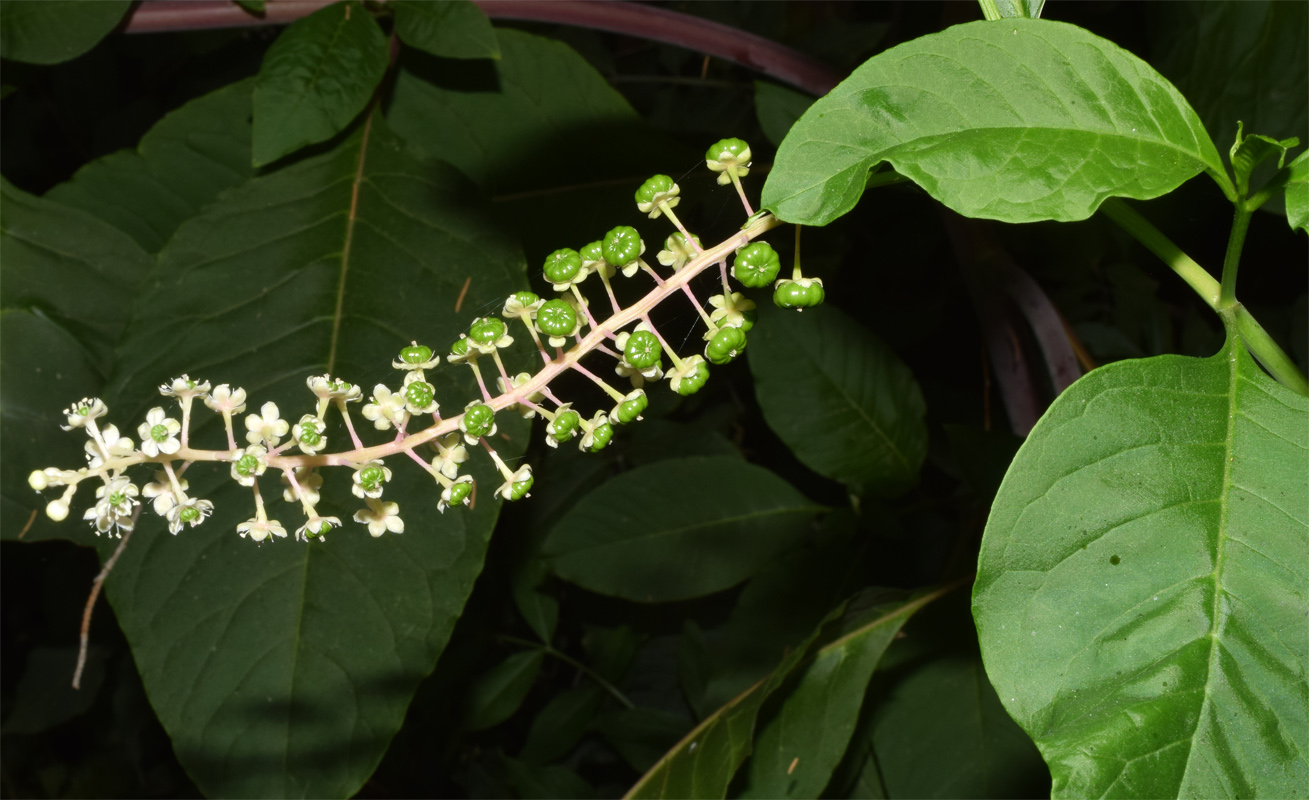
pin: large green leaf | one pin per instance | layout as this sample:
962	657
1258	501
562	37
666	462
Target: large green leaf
678	529
1297	193
1143	578
316	78
841	400
457	29
286	669
180	166
51	32
1015	120
797	749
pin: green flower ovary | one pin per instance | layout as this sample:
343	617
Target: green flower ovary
477	421
631	408
117	499
756	265
726	345
460	348
486	330
694	379
643	350
556	318
520	488
600	436
728	153
309	433
371	476
415	354
564	425
459	492
622	246
562	266
804	293
419	394
248	465
159	433
189	514
653	190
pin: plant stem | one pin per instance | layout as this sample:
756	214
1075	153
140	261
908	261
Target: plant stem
1154	240
1232	260
567	659
1267	351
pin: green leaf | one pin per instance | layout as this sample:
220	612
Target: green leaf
498	694
51	32
536	781
43	698
560	725
1005	9
1018	121
1250	151
845	404
777	108
641	735
180	166
704	761
678	529
1141	588
983	456
315	79
540	610
253	6
657	439
453	29
798	748
1297	193
286	669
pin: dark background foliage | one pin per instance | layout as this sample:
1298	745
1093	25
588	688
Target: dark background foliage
889	264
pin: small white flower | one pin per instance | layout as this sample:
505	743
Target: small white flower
309	481
115	447
326	389
115	502
316	528
183	388
267	427
729	310
387	409
43	479
451	452
83	411
259	530
515	306
250	464
225	398
159	433
380	517
308	434
57	510
677	251
161	492
369	479
188	512
518	380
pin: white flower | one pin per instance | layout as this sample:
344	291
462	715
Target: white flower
225	398
249	465
308	434
677	251
419	395
259	530
515	306
159	433
83	411
387	409
326	389
316	528
368	480
116	500
267	427
380	517
638	377
57	510
730	309
184	388
518	380
161	491
115	447
188	512
452	454
309	481
42	479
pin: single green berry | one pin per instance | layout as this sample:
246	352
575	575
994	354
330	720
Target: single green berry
799	294
562	266
526	298
419	394
486	330
370	476
622	246
247	465
457	493
159	433
477	421
643	350
630	408
564	426
726	345
459	349
756	265
658	190
556	318
592	252
416	354
692	377
726	153
600	436
309	433
519	489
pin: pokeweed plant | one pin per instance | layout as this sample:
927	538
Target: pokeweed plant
1140	591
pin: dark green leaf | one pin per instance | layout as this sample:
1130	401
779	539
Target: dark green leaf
498	694
845	404
678	529
641	735
1250	151
51	32
540	610
453	29
1018	121
657	439
315	79
181	166
560	725
287	669
778	108
983	456
535	781
44	697
253	6
1297	193
1140	595
611	651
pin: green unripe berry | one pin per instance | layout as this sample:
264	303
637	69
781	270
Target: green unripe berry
458	492
416	354
643	350
526	298
419	394
654	191
600	436
519	489
309	433
756	265
593	252
564	425
562	266
460	348
159	433
726	345
726	153
370	476
486	330
630	408
247	465
690	384
622	246
556	318
477	421
804	293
